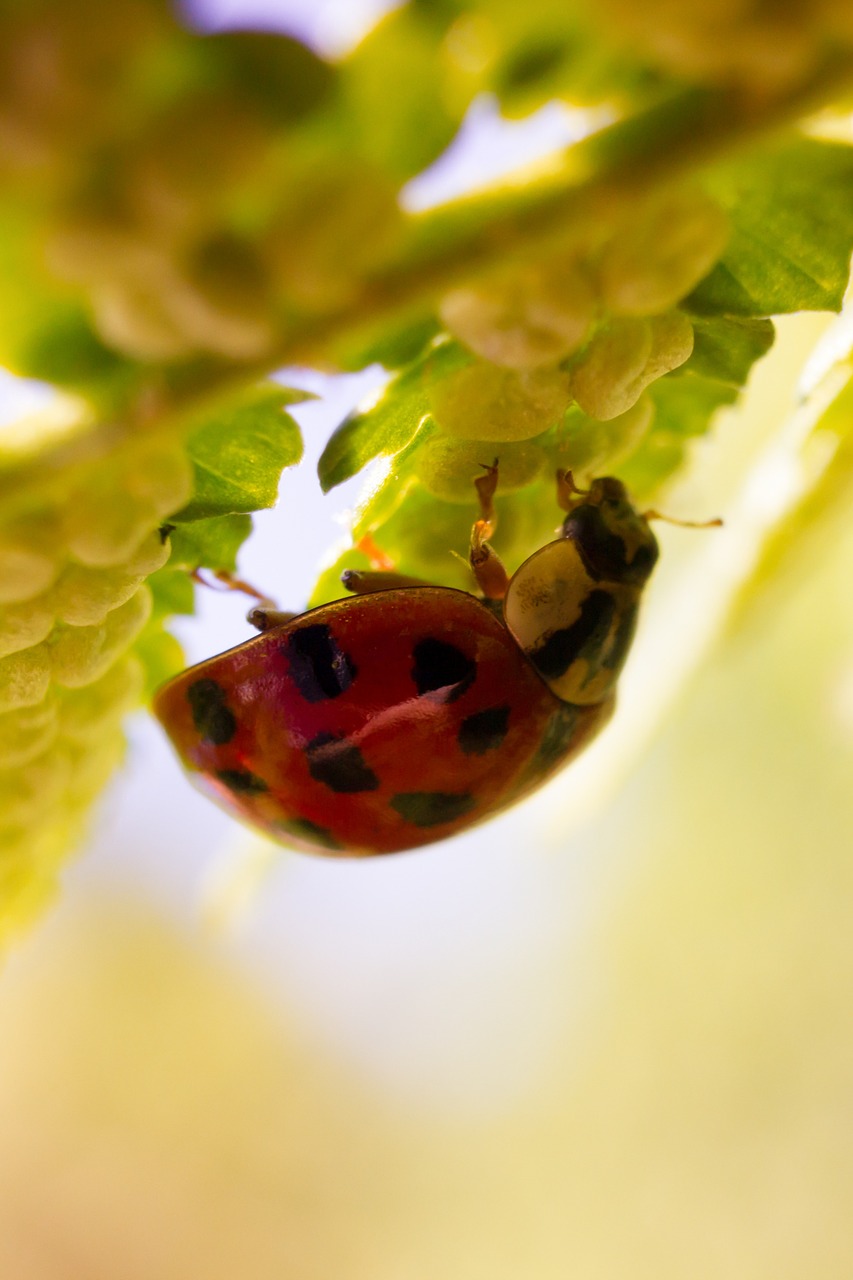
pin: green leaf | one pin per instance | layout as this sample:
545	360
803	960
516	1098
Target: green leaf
422	535
239	453
429	538
291	395
790	247
172	591
328	585
209	544
652	465
393	345
685	405
390	423
393	487
161	656
726	347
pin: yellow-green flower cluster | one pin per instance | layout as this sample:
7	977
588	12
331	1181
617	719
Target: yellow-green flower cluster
592	328
73	599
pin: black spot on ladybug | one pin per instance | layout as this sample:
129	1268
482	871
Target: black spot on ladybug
241	781
438	665
305	829
212	717
484	731
318	665
617	650
339	765
556	740
432	808
587	635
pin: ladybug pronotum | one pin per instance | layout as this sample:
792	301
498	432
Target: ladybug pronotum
408	712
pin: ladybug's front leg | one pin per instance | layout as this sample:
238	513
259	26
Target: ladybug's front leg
362	582
492	577
264	615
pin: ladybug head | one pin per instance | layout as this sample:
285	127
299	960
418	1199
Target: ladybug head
613	539
572	606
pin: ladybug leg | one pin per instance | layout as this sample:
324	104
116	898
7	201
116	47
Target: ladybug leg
491	576
362	582
567	491
716	523
264	615
381	576
265	619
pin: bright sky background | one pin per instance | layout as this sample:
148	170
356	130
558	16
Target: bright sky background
332	26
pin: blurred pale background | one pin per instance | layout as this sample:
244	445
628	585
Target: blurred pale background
608	1037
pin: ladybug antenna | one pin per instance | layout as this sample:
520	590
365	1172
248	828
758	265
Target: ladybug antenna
264	615
222	580
568	490
716	523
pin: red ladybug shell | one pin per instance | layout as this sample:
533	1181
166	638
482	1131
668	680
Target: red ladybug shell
373	724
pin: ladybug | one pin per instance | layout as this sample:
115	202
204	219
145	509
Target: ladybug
408	712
